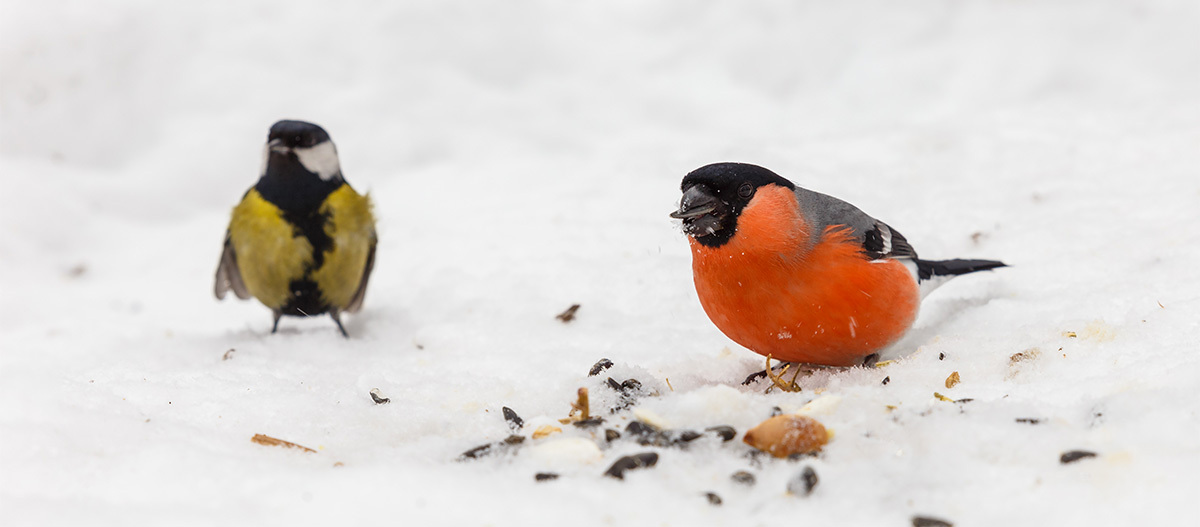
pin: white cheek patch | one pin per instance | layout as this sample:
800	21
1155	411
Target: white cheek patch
321	160
266	157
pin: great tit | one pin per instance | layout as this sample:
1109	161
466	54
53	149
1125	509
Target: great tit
301	241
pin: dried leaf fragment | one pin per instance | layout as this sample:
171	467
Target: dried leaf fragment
784	435
952	380
569	314
545	430
267	440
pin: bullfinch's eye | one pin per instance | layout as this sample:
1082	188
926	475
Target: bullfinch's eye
745	191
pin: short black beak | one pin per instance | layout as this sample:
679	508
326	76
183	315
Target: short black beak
696	202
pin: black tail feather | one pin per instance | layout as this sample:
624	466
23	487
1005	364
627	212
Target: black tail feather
927	269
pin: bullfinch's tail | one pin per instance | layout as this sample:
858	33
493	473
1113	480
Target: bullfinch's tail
933	273
927	269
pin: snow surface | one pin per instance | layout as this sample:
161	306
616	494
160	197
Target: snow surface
523	156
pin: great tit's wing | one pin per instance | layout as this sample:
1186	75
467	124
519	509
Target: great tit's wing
228	275
356	301
878	240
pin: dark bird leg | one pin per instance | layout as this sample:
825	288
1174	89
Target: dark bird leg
337	319
275	326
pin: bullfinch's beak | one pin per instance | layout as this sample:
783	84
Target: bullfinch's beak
696	202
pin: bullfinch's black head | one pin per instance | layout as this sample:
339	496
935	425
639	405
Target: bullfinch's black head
714	195
300	166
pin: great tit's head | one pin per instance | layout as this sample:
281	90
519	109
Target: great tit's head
715	195
292	143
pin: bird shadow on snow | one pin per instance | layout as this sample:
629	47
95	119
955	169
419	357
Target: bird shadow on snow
936	316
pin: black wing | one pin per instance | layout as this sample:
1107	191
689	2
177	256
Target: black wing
881	241
356	301
228	275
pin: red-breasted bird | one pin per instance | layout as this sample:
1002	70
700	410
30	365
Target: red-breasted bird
798	275
301	241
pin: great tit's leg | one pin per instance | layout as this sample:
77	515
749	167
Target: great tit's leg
277	313
337	319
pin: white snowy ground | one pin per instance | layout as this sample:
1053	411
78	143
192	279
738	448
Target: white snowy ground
523	157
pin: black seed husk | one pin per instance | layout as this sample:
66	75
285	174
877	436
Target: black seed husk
545	476
514	421
589	423
492	448
1075	455
377	398
1029	420
926	521
804	482
611	435
713	498
727	433
743	477
887	379
636	461
601	365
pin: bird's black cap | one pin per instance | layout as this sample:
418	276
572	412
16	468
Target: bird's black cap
728	177
298	134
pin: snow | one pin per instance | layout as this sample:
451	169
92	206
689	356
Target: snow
523	157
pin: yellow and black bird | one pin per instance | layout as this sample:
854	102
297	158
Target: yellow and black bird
301	241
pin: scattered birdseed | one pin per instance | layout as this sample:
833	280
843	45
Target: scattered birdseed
1029	420
926	521
1075	455
784	435
379	399
514	421
713	498
886	380
952	380
727	433
545	476
637	461
601	365
803	483
490	448
743	477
